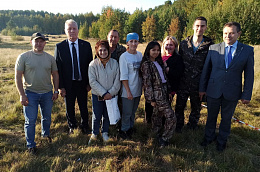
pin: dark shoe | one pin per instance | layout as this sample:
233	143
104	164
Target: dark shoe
71	131
205	142
178	130
48	138
85	130
163	143
32	150
221	147
129	133
122	134
192	126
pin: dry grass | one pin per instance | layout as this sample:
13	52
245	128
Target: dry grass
71	152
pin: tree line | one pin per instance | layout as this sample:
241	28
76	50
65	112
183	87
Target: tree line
172	18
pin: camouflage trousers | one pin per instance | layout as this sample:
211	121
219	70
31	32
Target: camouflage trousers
182	97
163	118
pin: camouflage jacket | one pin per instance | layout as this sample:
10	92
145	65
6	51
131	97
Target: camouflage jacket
120	49
152	83
193	63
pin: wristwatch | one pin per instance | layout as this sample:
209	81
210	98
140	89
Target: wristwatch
56	92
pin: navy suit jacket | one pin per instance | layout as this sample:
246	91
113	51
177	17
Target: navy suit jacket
64	62
216	80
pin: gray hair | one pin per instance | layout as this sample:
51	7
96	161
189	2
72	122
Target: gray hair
70	21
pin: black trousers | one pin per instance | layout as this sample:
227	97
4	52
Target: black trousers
182	97
78	92
148	112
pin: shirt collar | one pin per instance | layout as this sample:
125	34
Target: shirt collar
234	45
76	42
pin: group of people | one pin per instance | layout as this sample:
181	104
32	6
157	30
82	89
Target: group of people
193	69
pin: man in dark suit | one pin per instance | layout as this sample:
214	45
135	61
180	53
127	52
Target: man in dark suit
221	81
73	56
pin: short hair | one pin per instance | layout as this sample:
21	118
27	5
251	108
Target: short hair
229	24
102	43
113	30
201	18
174	40
71	21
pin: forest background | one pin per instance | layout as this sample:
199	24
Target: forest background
70	152
172	18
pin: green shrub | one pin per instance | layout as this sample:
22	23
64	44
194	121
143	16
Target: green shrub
17	38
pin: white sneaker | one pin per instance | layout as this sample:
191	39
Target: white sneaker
92	138
105	136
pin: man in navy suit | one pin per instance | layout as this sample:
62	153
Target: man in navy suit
221	81
73	56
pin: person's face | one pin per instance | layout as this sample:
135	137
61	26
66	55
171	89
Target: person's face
112	38
71	31
102	52
38	45
199	27
230	35
154	52
132	44
169	47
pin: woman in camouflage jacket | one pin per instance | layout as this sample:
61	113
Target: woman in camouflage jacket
157	92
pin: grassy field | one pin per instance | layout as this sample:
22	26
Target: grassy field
71	152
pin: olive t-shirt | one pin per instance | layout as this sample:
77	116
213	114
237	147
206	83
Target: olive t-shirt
37	70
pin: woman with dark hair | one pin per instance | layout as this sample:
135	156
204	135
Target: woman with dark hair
104	80
157	92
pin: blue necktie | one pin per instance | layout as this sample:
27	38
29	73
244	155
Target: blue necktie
229	55
75	62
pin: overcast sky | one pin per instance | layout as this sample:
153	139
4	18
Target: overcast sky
78	6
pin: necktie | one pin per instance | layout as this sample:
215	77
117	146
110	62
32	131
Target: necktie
229	55
75	62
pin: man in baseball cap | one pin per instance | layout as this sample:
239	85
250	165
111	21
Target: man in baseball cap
36	67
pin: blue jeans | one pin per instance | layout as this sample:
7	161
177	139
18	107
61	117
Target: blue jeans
128	116
99	111
31	113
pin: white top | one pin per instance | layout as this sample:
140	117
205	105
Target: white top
129	70
103	80
159	68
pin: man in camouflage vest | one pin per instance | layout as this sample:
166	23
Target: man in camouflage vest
194	50
115	48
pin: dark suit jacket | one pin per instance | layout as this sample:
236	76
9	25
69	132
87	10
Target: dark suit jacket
64	63
217	80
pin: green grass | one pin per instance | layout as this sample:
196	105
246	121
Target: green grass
72	153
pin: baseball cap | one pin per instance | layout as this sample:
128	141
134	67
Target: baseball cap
38	35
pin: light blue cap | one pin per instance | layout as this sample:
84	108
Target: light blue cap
131	36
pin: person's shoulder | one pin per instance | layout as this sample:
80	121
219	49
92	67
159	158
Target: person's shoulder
62	43
25	54
208	40
246	46
139	53
124	55
121	47
185	40
48	55
216	46
83	42
113	61
93	62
